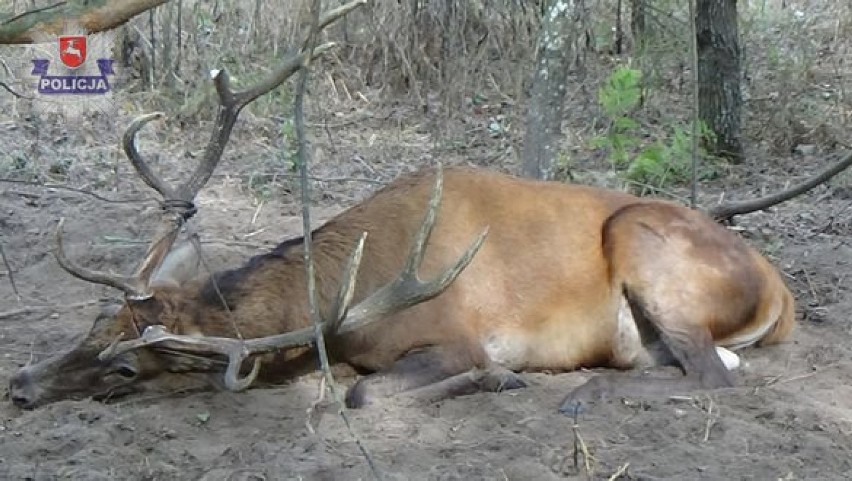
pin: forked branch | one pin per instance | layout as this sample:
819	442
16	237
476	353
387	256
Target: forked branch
403	292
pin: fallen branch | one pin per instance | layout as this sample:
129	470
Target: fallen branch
77	190
28	309
725	212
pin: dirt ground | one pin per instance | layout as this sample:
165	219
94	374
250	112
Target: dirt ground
790	417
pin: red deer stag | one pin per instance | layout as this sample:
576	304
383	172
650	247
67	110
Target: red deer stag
567	276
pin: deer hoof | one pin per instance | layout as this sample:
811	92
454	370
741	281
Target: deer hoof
593	390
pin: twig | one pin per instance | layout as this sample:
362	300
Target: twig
32	352
724	212
78	190
32	12
28	309
310	177
309	413
711	420
621	470
9	271
798	377
196	244
656	189
303	158
811	286
16	94
580	445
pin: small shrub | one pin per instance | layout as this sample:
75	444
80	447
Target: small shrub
655	163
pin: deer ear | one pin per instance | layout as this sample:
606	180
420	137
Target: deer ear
179	266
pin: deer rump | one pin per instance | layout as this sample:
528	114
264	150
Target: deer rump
569	276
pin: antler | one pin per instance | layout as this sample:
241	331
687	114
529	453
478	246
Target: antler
178	202
403	292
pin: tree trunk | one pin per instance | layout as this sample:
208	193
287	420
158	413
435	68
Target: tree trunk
637	23
719	97
556	49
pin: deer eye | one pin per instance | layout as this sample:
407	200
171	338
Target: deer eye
124	370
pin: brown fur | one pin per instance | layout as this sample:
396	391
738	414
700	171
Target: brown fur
543	292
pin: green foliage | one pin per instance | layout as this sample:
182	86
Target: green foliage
670	160
618	97
263	184
662	161
621	92
564	167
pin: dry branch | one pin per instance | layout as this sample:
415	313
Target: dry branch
92	15
10	273
77	190
347	289
724	212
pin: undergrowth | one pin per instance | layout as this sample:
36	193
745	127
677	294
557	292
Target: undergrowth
641	156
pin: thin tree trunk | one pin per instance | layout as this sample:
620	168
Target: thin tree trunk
556	46
637	23
720	100
639	31
619	32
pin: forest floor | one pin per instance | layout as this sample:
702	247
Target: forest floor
790	416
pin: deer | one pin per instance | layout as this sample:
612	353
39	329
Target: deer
523	275
72	50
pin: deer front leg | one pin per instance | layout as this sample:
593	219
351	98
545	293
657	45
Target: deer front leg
432	374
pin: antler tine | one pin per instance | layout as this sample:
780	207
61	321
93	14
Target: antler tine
235	350
347	286
128	141
129	285
408	290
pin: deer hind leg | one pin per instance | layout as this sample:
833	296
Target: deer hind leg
433	373
681	276
674	339
672	335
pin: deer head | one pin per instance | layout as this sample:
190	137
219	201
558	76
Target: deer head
152	293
